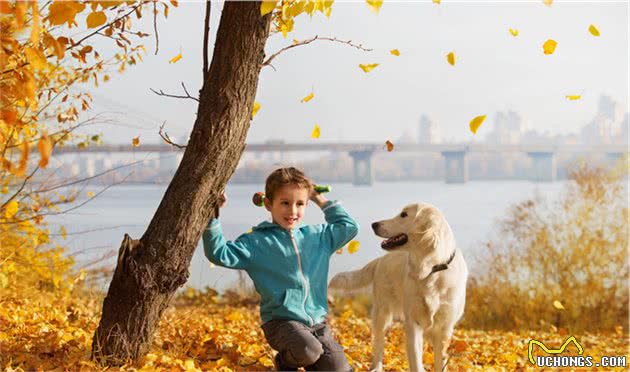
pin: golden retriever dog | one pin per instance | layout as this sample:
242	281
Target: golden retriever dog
422	280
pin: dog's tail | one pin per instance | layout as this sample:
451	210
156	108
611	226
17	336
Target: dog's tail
351	280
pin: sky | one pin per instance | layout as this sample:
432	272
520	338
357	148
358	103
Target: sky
494	71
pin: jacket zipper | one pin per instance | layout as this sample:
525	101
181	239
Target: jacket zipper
297	252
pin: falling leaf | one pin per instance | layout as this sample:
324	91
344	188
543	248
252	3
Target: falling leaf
63	232
437	1
175	59
548	2
374	5
369	67
573	98
558	305
339	251
11	209
45	149
451	58
96	19
255	109
476	123
308	98
353	246
549	46
390	146
514	32
135	142
593	30
90	194
267	7
395	52
315	133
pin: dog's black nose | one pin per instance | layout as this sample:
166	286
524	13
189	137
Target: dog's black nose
375	225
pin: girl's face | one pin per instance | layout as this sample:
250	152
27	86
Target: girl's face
289	203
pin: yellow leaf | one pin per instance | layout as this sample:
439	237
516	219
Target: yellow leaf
549	46
339	251
394	52
23	160
390	146
35	57
96	19
175	59
63	232
374	5
548	2
437	1
308	98
514	32
35	29
315	133
234	316
476	123
189	365
61	12
90	194
45	149
573	98
369	67
451	58
353	246
558	305
267	7
135	142
255	109
593	30
11	209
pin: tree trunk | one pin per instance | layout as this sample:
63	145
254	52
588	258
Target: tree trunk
150	270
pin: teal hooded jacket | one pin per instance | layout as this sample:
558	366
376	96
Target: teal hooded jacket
289	268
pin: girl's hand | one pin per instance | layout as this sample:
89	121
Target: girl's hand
222	199
317	198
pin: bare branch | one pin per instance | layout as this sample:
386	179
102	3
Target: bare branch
157	38
167	139
308	41
206	30
161	93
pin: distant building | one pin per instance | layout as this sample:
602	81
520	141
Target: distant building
507	128
428	131
607	126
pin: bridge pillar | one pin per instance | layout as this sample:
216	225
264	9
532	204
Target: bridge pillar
362	161
455	166
87	166
544	167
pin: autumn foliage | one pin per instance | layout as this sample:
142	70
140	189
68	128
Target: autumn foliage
559	264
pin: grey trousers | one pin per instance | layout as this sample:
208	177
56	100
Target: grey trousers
299	345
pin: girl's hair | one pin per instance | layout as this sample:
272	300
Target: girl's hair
286	176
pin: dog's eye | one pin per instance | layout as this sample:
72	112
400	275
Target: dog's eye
403	214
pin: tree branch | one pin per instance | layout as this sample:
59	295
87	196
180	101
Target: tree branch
161	93
308	41
206	30
167	139
157	38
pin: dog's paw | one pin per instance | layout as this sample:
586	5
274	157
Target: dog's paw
339	281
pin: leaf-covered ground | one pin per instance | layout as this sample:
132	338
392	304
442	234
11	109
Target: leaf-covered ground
203	333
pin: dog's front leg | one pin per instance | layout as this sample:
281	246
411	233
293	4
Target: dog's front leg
414	345
380	321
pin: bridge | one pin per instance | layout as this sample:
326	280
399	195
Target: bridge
455	155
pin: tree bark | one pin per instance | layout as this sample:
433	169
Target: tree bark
150	270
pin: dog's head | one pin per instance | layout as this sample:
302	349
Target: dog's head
414	224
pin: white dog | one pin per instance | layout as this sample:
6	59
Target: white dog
423	279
